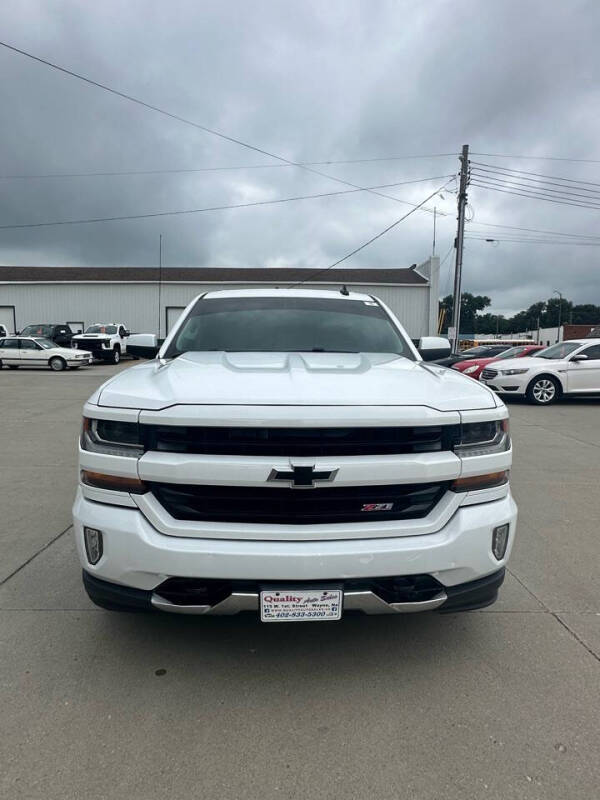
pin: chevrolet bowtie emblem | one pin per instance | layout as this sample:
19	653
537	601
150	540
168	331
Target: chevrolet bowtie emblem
302	477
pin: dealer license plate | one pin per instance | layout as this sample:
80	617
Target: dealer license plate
302	605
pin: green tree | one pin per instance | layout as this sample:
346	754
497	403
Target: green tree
469	306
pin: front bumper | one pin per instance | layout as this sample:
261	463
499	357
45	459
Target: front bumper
138	557
507	384
244	597
79	362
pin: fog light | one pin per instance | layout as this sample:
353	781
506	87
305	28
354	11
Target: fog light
500	541
93	544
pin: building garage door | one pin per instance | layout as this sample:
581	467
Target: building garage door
173	314
7	318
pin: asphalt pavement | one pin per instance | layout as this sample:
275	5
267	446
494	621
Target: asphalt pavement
500	703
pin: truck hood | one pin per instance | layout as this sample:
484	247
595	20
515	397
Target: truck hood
83	336
311	379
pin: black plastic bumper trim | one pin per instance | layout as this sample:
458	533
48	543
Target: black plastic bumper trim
474	594
114	596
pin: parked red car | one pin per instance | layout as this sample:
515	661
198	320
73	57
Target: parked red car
474	366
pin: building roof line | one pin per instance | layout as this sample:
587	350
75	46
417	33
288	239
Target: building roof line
210	275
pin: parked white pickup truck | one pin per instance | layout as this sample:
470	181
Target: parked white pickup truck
291	453
106	340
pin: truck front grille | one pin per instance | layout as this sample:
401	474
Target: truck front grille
92	345
299	441
286	506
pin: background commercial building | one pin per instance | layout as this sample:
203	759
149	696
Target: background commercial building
143	299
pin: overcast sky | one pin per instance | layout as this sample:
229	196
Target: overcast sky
309	81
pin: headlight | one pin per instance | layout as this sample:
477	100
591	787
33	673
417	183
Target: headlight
470	370
111	437
483	438
513	371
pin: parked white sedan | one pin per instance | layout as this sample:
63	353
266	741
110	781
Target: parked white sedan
571	367
32	351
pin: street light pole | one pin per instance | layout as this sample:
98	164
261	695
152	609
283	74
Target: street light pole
555	291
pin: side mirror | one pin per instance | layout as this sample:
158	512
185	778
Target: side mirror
432	347
143	345
79	330
580	357
126	333
17	333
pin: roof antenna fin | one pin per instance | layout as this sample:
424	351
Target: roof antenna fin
344	291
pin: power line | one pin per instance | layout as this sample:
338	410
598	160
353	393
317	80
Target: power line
233	168
539	194
514	182
208	208
503	170
370	241
534	241
534	230
197	125
495	188
532	183
540	158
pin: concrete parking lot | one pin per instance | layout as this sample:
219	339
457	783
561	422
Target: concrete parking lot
501	703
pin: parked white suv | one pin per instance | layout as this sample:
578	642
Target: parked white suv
571	367
290	452
106	340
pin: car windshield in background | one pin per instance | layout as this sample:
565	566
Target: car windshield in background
37	330
473	352
45	343
101	329
288	324
512	352
560	350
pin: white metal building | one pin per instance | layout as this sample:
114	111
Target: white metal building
136	297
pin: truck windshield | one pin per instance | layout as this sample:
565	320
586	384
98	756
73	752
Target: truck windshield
37	330
101	329
288	324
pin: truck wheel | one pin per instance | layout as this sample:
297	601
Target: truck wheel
543	390
57	364
116	355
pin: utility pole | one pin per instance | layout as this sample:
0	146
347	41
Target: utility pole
434	220
458	243
555	291
159	279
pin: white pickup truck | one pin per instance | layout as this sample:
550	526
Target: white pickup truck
291	453
107	341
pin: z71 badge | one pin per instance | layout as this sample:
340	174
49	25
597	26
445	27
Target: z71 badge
377	507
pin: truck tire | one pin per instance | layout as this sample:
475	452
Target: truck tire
115	356
543	390
57	364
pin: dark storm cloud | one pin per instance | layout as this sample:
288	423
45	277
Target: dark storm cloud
309	81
